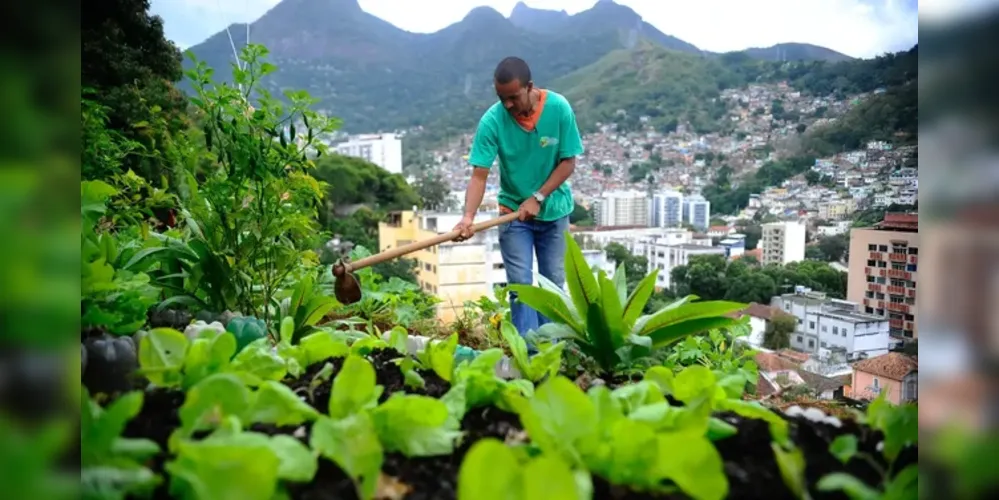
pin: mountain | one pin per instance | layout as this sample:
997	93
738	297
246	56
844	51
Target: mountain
796	52
376	76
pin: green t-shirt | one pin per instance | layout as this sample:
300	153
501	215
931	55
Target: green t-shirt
527	159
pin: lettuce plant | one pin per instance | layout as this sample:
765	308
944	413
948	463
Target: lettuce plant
493	471
112	466
606	322
534	368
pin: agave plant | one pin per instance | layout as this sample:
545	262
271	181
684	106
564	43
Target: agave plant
606	323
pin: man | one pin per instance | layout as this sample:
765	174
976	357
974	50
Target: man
533	132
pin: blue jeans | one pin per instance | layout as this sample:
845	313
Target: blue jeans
519	243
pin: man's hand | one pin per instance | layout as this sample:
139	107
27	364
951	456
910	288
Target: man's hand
529	209
466	229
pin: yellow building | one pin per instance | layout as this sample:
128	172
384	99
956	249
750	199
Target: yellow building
837	209
454	272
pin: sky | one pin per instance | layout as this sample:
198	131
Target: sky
859	28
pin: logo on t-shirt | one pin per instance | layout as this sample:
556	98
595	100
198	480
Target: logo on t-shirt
545	141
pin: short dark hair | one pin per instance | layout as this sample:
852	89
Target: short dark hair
512	68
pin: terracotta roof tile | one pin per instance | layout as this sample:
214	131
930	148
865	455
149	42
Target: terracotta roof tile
893	365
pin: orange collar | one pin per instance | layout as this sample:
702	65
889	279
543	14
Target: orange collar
531	121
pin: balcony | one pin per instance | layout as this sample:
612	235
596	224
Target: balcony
883	272
875	256
913	259
896	290
896	323
891	306
910	325
911	292
898	257
868	271
874	287
897	273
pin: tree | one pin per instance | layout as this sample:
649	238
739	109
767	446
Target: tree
833	248
580	216
130	67
435	193
778	333
751	287
353	181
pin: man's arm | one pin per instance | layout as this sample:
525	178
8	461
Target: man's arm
476	190
561	173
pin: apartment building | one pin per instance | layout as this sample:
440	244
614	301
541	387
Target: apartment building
697	212
665	257
456	272
782	243
667	209
828	328
622	208
384	150
883	271
837	209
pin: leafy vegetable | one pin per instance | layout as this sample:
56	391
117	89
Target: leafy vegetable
545	363
608	326
246	329
353	445
111	466
438	356
491	471
414	425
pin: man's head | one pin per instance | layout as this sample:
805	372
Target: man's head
513	85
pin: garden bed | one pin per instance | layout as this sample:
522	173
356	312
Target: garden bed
749	462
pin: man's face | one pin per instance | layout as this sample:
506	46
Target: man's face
516	98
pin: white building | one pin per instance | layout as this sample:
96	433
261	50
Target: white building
667	209
697	212
384	150
831	328
622	208
734	245
782	243
665	258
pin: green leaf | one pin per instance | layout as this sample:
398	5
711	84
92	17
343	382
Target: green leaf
621	284
238	467
844	447
518	347
792	468
698	470
278	404
399	339
558	331
321	346
100	427
671	333
259	360
904	486
694	382
853	487
561	419
206	357
353	388
558	290
548	478
490	471
442	356
661	376
686	312
287	332
161	356
612	309
601	340
546	362
414	426
297	463
353	445
545	302
114	483
719	429
315	310
211	400
583	287
635	303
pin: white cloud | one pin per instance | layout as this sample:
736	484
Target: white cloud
862	28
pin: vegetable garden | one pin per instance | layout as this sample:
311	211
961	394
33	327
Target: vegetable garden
216	363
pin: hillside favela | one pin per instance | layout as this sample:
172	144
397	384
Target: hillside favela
704	285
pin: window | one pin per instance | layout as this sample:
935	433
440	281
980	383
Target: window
869	310
913	251
426	266
787	306
869	294
498	266
876	384
881	280
844	332
872	247
880	296
835	330
883	248
825	328
811	344
871	262
824	345
897	266
882	264
811	325
911	268
870	279
435	268
800	321
800	339
880	312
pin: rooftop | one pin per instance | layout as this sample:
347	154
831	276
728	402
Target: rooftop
897	221
893	365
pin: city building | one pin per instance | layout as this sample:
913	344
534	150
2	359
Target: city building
895	374
665	256
622	208
384	150
832	329
734	245
667	209
782	243
697	212
456	272
883	271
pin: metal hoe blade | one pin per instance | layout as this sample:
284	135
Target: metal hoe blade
346	288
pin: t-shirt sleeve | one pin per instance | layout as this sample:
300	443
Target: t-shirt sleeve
485	144
570	143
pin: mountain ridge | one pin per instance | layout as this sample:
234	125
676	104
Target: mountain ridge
377	76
